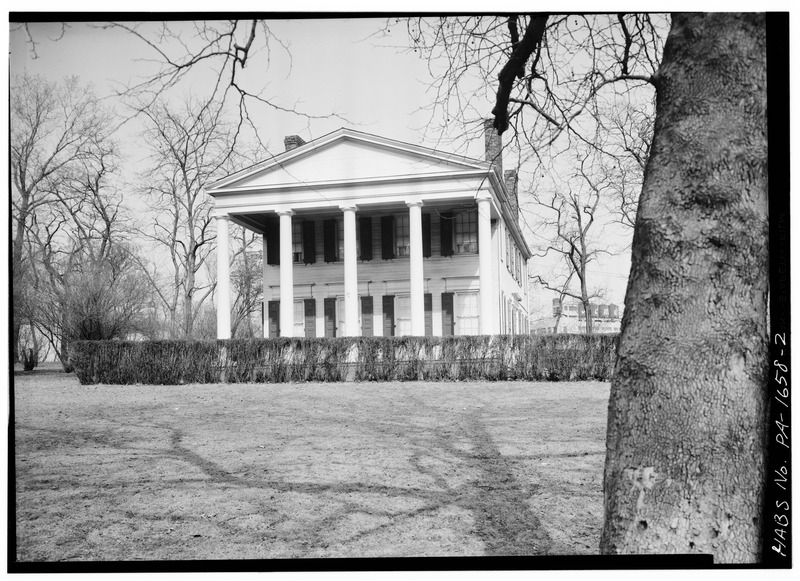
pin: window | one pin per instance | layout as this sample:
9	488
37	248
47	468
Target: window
402	236
299	318
331	240
466	232
513	265
297	243
402	312
467	310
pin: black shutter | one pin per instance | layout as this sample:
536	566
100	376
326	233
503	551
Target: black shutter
387	237
428	314
447	314
329	237
388	315
366	317
426	235
310	306
273	308
309	242
273	234
365	232
447	234
330	317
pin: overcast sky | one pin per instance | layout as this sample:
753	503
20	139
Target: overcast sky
337	66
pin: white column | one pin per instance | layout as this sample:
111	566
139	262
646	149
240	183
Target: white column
487	314
350	274
416	276
287	275
264	286
223	279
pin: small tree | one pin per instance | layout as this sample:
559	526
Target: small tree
567	216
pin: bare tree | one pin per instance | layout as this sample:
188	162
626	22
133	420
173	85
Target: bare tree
548	76
190	145
567	217
58	133
82	271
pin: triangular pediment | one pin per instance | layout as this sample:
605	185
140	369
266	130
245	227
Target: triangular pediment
348	156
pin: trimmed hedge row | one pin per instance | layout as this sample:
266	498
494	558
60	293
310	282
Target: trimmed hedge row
497	357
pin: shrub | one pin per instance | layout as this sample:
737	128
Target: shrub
496	357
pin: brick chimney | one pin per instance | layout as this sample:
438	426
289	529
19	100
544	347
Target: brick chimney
291	142
511	188
494	147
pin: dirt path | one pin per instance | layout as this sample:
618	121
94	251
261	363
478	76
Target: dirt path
306	470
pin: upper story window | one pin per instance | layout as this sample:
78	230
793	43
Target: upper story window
297	241
466	232
402	236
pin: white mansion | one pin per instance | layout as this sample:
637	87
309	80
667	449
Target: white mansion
363	235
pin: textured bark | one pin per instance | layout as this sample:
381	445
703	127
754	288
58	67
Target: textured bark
685	460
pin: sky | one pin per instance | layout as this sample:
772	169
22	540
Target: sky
340	66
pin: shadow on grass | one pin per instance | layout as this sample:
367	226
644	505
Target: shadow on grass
496	499
460	459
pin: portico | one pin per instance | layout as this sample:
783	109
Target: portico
392	245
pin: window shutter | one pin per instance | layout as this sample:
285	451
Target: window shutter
366	317
273	234
446	222
330	317
329	237
447	314
310	306
428	314
388	316
309	242
273	309
426	235
365	231
387	237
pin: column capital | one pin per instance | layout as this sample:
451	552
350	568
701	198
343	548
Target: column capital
348	206
413	203
221	215
285	212
484	197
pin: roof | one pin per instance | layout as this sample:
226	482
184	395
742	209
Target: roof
349	155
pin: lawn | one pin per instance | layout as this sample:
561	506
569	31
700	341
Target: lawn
306	470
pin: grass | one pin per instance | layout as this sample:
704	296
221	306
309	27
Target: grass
306	470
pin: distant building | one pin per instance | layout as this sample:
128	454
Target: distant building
364	235
570	318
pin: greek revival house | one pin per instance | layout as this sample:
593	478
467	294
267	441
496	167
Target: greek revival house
363	235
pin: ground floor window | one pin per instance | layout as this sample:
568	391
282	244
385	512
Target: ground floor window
467	312
402	313
299	318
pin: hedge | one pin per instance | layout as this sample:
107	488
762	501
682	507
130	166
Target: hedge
496	357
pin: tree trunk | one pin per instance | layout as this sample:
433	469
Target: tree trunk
685	457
